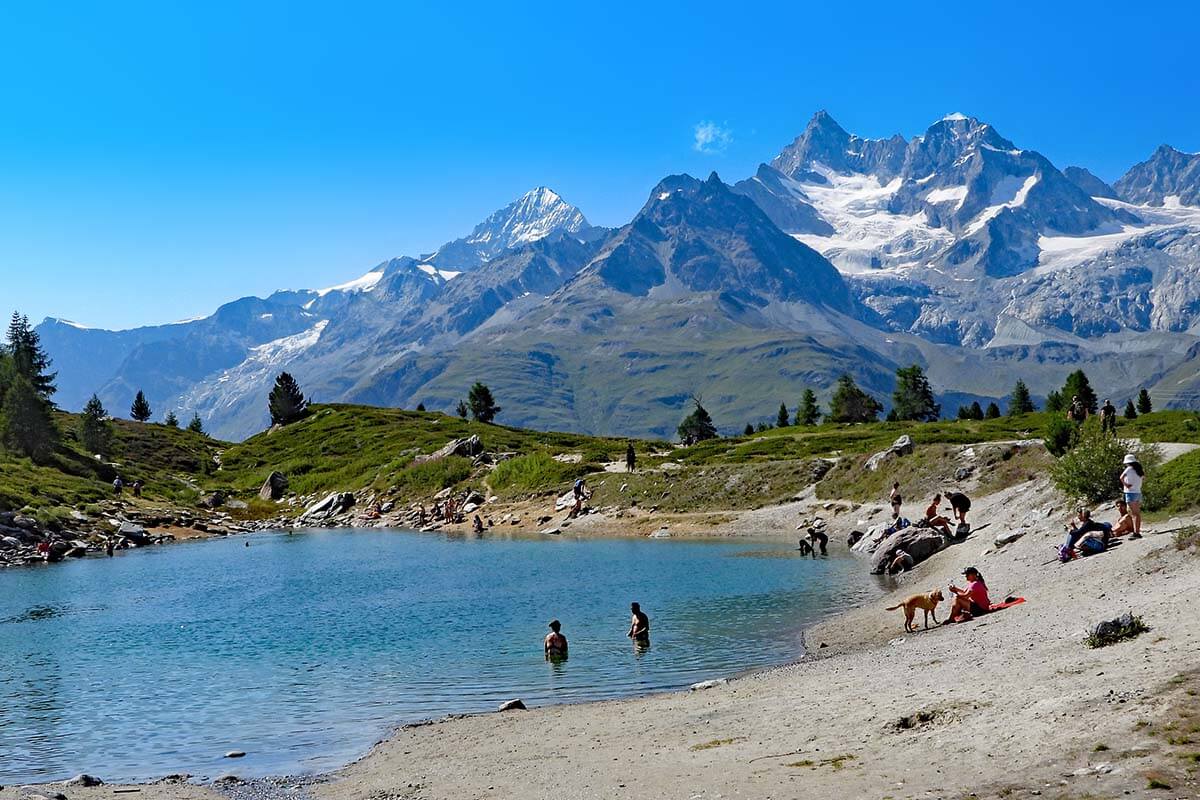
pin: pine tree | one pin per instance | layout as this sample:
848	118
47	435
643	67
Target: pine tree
196	426
782	420
762	427
992	412
1130	411
26	422
696	426
483	405
1144	406
1019	402
851	404
286	403
748	430
809	413
462	409
171	421
1055	402
94	429
964	412
913	396
140	410
420	406
976	410
29	360
1077	385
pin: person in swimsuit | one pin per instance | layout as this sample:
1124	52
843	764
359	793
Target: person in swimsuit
961	504
639	626
974	598
1124	520
895	499
556	643
934	518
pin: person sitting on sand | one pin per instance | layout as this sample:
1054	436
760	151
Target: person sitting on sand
1124	522
1083	524
972	600
556	643
639	627
895	499
933	517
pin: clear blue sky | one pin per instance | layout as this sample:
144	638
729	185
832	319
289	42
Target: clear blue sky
157	159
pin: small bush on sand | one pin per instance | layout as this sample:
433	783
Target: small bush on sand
1091	470
1060	435
1188	538
1116	630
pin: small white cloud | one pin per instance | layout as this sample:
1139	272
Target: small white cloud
711	137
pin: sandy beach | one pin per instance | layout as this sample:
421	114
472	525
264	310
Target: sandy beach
1010	705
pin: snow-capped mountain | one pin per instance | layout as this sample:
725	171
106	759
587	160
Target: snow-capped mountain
537	214
957	249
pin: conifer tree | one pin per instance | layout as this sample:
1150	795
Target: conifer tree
29	360
483	405
976	410
95	431
992	412
26	424
913	396
748	430
696	426
196	426
1144	406
851	404
420	406
462	409
140	410
782	420
809	413
1077	385
1055	402
286	403
1130	411
1019	402
171	421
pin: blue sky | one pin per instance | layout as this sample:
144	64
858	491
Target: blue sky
157	159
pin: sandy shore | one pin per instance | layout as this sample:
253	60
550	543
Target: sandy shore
1011	705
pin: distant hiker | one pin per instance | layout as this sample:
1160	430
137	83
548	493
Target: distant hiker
1076	412
1108	418
1131	483
421	512
555	643
43	550
973	600
477	524
118	484
639	625
960	504
110	544
933	517
137	488
895	499
817	538
630	458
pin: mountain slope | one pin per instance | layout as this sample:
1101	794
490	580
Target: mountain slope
1168	177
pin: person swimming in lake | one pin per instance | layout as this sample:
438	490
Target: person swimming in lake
639	626
555	643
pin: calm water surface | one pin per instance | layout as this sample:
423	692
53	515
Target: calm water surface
304	650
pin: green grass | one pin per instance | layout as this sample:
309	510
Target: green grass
1175	486
534	472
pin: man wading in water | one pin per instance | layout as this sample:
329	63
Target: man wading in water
556	643
639	627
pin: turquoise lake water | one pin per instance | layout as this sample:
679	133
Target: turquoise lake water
304	650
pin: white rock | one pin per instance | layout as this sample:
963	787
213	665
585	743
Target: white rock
696	687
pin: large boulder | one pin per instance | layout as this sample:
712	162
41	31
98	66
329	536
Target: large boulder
274	487
467	448
332	503
920	543
903	446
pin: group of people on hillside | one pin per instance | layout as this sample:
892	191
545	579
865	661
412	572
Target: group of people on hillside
555	644
1086	536
960	504
1077	411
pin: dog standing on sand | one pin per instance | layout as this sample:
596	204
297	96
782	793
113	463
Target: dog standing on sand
927	602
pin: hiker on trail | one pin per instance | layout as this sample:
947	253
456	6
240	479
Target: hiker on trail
960	504
974	598
555	643
581	493
639	626
630	458
1076	412
137	488
895	499
1108	418
1124	522
933	517
1131	484
118	484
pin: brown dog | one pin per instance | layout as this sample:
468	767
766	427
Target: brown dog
927	602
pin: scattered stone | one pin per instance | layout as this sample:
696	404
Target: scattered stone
1009	537
549	531
962	473
512	705
236	754
467	448
702	685
83	779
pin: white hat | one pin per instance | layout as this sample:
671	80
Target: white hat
1130	458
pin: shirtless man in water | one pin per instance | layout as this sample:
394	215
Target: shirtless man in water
639	627
556	643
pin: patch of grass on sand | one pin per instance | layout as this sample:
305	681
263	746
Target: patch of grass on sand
1156	782
836	762
536	471
1110	632
1100	748
1188	538
714	743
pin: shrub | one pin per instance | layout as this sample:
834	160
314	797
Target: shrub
1188	538
1175	486
533	472
1091	469
433	476
1060	435
1116	630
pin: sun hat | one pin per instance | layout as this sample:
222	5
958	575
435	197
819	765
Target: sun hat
1130	458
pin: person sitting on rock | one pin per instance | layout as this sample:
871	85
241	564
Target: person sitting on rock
555	643
973	600
933	517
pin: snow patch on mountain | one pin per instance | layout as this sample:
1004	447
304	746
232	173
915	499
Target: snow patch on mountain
364	284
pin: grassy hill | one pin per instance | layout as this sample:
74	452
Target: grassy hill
347	447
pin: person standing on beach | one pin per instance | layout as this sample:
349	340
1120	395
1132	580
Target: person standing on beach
639	627
556	643
630	458
1131	484
895	499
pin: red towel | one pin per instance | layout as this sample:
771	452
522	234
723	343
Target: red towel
963	616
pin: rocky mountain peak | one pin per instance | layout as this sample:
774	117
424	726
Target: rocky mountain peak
1168	177
825	143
